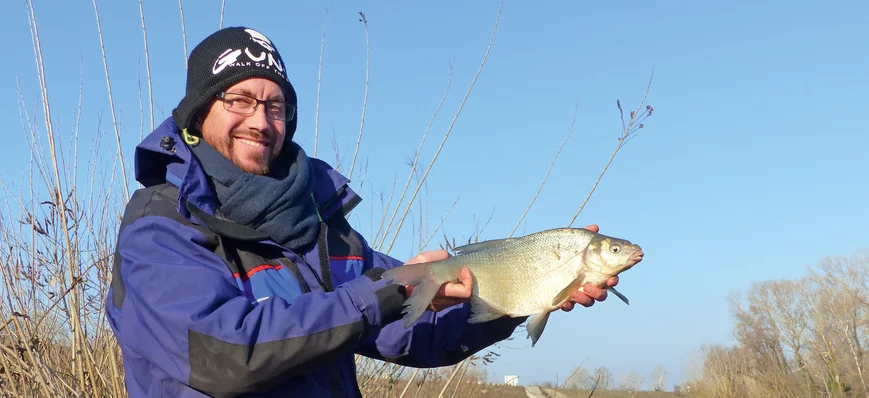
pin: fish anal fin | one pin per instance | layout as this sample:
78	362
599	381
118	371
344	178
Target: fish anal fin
481	311
564	294
536	326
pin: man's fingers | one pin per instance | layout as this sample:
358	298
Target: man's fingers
455	290
467	278
594	292
588	295
593	228
612	281
425	257
462	289
582	298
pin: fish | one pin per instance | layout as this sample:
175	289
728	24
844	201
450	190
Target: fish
524	276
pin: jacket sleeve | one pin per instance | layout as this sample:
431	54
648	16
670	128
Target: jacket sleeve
435	339
183	312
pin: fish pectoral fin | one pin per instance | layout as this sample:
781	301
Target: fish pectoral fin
619	295
481	311
536	326
564	294
472	247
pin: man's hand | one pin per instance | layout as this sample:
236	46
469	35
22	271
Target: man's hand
450	293
589	293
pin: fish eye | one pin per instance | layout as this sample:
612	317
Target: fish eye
615	249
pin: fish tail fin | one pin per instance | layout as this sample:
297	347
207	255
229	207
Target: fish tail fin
408	274
419	300
536	326
424	290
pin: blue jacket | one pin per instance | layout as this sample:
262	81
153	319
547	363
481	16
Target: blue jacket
198	313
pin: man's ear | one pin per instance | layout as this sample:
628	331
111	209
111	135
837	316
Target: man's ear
198	119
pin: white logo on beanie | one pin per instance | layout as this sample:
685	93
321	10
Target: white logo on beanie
228	57
261	39
264	60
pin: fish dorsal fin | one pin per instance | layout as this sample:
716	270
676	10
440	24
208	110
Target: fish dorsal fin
565	293
473	247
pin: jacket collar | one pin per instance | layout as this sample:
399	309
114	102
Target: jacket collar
163	156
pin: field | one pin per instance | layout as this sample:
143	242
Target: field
432	389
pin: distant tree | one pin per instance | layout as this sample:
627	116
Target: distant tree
630	382
578	379
801	337
589	382
601	379
659	378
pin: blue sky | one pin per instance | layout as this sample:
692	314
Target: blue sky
752	167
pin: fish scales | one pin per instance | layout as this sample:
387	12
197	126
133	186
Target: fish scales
537	275
521	276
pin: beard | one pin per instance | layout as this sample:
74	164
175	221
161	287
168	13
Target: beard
244	156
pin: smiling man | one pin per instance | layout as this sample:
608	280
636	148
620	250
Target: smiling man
259	139
236	271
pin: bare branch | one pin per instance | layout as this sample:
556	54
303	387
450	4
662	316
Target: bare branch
183	32
415	163
111	101
626	133
319	80
148	65
449	129
365	98
546	177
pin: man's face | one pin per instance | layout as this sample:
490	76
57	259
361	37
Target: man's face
251	142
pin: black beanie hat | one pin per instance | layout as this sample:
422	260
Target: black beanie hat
227	57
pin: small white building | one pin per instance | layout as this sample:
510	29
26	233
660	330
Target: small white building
511	380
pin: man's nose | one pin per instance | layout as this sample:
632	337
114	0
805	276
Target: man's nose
259	120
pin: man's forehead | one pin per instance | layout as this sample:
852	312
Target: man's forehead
258	87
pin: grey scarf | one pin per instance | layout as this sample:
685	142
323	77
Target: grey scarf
280	205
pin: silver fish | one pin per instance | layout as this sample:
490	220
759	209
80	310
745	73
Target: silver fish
530	275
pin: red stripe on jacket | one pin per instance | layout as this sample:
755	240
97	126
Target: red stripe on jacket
257	269
360	258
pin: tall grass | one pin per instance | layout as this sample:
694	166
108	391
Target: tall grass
59	233
55	263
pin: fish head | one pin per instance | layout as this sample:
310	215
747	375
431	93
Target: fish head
611	256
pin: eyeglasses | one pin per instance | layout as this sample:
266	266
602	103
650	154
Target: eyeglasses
247	105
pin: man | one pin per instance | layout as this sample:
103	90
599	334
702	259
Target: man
236	271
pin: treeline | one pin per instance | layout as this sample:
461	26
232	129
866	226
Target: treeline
796	338
602	379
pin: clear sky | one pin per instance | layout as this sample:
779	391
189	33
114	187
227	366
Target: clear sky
753	166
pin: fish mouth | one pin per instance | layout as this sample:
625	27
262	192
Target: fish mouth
636	257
